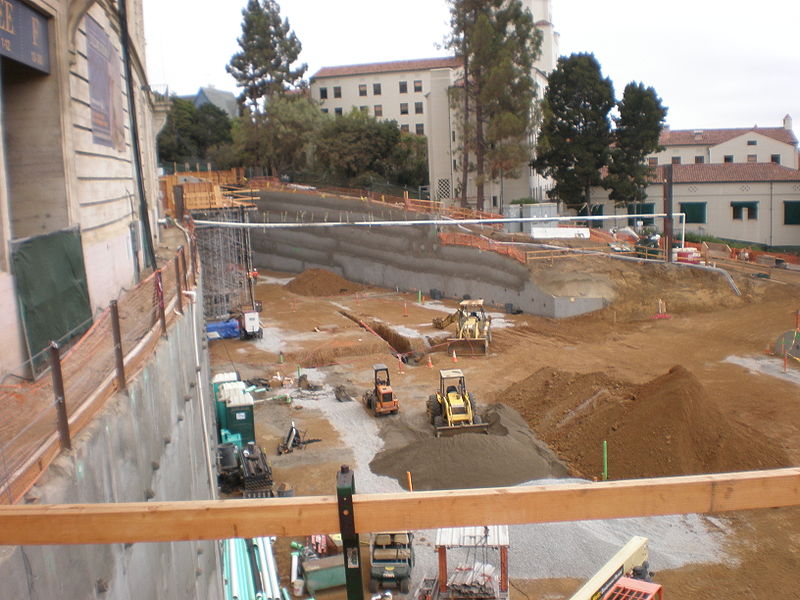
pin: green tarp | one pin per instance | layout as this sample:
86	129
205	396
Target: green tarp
52	292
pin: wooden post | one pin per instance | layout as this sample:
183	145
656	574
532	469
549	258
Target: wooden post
503	568
182	255
442	550
58	391
118	353
178	286
159	285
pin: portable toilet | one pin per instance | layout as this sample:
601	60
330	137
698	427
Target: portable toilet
239	415
223	391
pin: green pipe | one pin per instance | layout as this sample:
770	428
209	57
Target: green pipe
605	460
419	296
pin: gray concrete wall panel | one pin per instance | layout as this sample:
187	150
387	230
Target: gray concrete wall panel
147	444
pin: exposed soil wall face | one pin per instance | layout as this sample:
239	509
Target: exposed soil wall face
406	258
146	444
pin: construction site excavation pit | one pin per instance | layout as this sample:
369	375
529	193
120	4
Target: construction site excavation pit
661	393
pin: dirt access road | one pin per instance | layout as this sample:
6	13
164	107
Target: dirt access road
687	394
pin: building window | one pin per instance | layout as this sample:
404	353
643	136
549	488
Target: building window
363	109
337	91
338	111
420	129
676	160
699	160
323	93
453	135
641	208
776	158
651	162
791	213
378	110
695	211
376	89
403	87
455	166
752	158
362	89
728	158
417	108
404	128
752	142
404	108
417	85
494	201
325	111
744	210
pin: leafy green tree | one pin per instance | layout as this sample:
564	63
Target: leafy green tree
357	144
189	132
409	160
249	140
212	127
499	43
575	137
292	126
269	48
638	127
176	141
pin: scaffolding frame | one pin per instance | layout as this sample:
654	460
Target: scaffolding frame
227	258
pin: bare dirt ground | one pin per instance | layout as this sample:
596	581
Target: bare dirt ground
660	391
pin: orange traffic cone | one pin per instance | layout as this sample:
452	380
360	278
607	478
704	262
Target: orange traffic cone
405	309
455	358
430	364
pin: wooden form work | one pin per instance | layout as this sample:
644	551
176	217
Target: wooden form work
204	520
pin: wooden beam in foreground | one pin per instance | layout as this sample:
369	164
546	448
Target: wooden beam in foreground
203	520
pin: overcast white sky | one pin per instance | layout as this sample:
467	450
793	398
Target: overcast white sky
715	63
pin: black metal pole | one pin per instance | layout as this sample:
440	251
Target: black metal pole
345	489
178	285
668	235
159	283
119	355
58	390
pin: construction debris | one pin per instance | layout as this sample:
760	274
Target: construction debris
294	439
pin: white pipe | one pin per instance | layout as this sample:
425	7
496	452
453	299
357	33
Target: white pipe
272	569
201	393
297	225
234	569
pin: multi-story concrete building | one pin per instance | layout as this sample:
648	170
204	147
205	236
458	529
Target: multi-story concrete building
415	93
78	189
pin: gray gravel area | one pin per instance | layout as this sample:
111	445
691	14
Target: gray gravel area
551	550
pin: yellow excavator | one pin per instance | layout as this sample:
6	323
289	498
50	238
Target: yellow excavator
473	328
453	409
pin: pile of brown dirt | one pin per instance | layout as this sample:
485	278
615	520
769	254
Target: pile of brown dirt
509	455
667	426
319	282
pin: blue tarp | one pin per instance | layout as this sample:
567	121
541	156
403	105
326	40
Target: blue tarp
222	329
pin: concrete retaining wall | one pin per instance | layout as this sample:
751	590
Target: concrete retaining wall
147	444
405	258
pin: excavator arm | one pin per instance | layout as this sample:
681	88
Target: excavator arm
442	322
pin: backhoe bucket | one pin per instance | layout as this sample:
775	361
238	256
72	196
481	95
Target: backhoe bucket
468	347
450	431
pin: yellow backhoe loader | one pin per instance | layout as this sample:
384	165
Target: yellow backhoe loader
453	409
473	328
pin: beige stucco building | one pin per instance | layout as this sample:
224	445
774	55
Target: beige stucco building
415	93
737	184
70	177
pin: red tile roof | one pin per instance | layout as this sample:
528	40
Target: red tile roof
712	137
422	64
730	172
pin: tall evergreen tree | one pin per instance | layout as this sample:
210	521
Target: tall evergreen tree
575	137
269	48
498	43
638	127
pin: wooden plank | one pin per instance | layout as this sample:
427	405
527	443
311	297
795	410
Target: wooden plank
202	520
